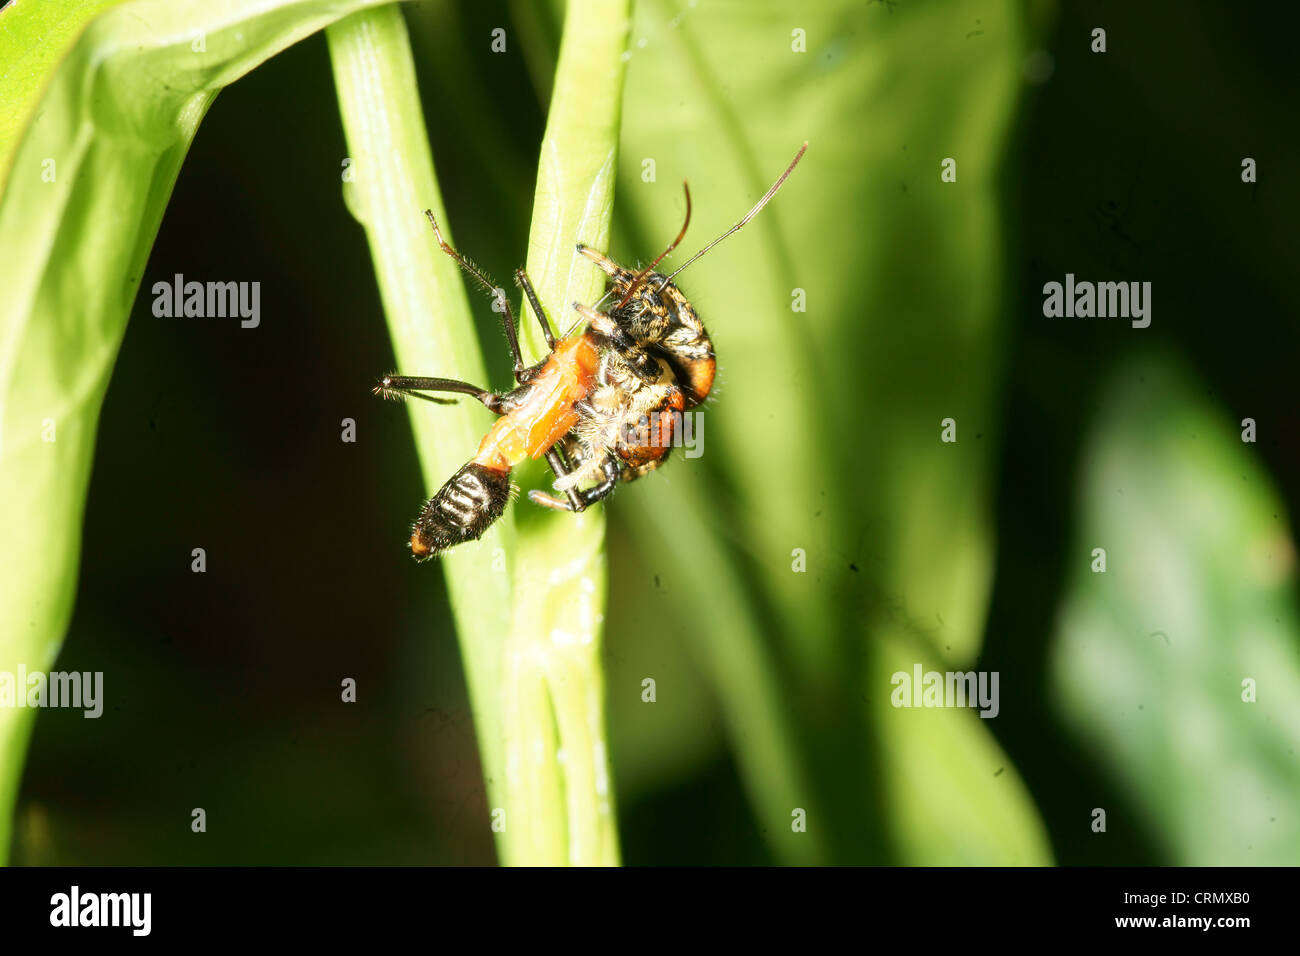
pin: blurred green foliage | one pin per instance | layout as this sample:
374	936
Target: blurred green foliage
81	203
807	446
1177	665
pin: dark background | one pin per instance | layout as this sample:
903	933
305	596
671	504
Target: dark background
228	439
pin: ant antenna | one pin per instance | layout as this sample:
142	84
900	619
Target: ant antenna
640	276
748	216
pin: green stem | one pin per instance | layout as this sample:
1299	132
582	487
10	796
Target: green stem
430	323
558	776
530	630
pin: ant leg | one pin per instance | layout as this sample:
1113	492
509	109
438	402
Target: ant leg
606	487
589	497
498	295
539	497
522	280
560	466
400	386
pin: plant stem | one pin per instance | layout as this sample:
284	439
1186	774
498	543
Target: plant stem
557	753
531	630
432	330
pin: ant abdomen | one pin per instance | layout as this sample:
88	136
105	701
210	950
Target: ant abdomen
462	510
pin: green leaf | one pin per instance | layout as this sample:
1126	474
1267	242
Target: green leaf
824	439
954	797
1152	658
33	39
79	210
